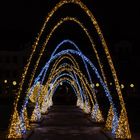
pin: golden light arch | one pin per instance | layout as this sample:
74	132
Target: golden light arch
123	129
78	72
84	82
54	70
55	65
63	20
72	82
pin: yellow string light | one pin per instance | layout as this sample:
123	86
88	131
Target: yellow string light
123	119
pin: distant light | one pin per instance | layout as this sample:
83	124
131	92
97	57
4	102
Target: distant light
5	81
97	85
14	83
122	86
110	84
92	85
131	85
61	83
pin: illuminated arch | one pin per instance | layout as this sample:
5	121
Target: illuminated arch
77	72
78	53
45	106
94	69
63	20
123	122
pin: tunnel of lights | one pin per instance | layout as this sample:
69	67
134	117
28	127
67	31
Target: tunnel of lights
42	87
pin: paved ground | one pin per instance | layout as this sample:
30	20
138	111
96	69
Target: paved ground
67	123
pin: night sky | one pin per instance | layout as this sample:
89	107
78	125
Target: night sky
20	21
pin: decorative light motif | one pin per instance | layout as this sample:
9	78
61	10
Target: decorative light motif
15	130
36	116
37	111
123	127
24	122
123	131
65	79
94	69
44	107
109	124
87	108
96	114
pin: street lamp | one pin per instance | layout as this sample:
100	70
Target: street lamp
5	81
131	85
14	83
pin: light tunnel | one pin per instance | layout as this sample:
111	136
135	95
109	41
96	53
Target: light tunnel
39	87
115	123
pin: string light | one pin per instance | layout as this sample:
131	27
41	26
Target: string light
36	111
87	60
123	121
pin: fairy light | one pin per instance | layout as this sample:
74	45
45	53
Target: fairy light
58	45
36	116
75	64
80	76
109	120
45	44
96	114
60	80
123	121
54	75
87	60
80	54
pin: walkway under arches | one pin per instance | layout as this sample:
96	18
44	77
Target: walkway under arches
67	123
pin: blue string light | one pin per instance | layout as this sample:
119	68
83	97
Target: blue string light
86	62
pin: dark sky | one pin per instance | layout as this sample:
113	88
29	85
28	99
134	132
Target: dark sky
21	20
